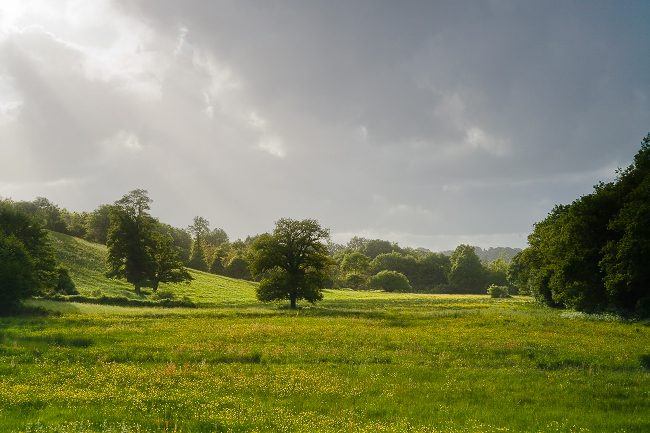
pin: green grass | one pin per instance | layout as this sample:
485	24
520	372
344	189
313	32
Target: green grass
355	362
87	264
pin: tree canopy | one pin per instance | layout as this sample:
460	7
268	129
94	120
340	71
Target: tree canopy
27	264
293	261
593	254
467	273
136	251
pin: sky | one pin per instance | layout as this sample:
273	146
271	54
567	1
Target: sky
427	123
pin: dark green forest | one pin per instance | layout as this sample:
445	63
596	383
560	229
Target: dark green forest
593	255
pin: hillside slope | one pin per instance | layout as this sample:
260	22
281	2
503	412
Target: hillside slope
87	264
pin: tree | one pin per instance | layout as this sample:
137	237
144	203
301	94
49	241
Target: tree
216	237
47	213
98	224
167	267
238	268
293	261
626	256
375	247
76	223
497	270
466	274
199	229
220	254
592	255
136	249
27	264
356	263
432	270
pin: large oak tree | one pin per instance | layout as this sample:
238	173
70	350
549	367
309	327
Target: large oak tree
293	261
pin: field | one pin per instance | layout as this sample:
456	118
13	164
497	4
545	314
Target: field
355	362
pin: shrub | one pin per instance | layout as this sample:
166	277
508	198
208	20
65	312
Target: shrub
498	291
355	281
389	281
64	284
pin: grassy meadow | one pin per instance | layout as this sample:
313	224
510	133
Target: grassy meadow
355	362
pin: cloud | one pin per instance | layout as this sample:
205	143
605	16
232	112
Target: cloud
427	123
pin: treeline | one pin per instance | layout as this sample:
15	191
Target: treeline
593	255
197	245
380	264
28	266
360	264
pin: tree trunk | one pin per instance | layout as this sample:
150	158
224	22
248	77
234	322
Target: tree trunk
293	302
137	288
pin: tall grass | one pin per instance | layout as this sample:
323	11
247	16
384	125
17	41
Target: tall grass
432	363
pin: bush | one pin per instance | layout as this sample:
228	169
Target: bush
390	281
355	281
498	291
64	284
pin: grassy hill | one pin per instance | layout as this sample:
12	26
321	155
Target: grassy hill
87	264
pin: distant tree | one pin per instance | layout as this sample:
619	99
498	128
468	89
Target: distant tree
375	247
335	248
356	263
76	223
98	224
49	215
220	254
167	266
466	274
432	271
497	270
357	243
518	273
238	267
181	240
293	261
216	237
136	249
389	281
394	261
200	229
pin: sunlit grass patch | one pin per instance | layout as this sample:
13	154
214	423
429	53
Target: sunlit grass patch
423	363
